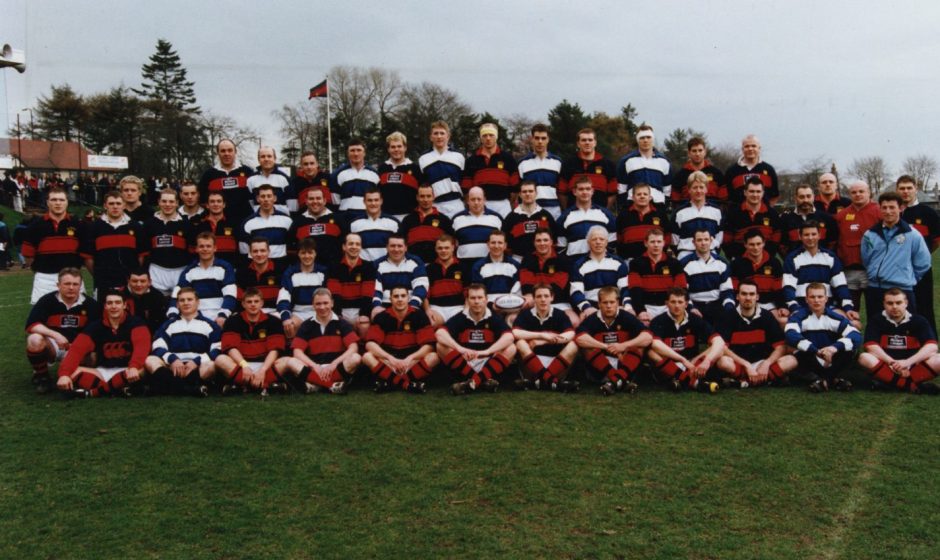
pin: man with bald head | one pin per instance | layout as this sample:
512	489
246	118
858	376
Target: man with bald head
230	178
268	173
472	227
828	199
853	221
751	165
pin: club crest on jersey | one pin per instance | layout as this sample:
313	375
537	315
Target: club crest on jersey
655	221
70	231
179	232
499	165
358	278
228	231
917	221
850	217
766	221
262	333
710	177
767	271
271	281
598	171
406	326
435	222
665	271
551	269
131	232
457	275
324	182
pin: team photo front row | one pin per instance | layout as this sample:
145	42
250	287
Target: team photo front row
219	334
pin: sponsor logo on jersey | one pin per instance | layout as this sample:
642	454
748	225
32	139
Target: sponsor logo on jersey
896	341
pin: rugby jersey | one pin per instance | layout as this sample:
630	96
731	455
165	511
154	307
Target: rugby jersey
632	227
214	285
126	346
496	174
737	175
709	279
443	170
601	171
67	320
740	221
352	284
351	185
622	328
275	228
253	340
447	283
715	192
410	272
472	232
476	335
326	229
810	333
554	270
500	278
635	168
297	287
575	223
751	338
546	172
589	275
520	227
557	322
301	184
285	199
226	241
192	340
791	222
800	268
115	249
266	280
234	188
901	339
422	230
404	336
684	336
649	281
767	273
399	186
53	245
374	233
166	242
689	219
323	343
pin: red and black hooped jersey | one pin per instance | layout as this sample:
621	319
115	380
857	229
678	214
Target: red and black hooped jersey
740	220
126	346
476	335
632	228
737	175
557	322
226	244
752	339
53	245
684	337
115	249
767	273
926	221
68	321
324	343
300	185
497	174
791	222
422	230
326	229
253	339
401	337
834	205
899	340
716	192
352	285
446	284
234	188
167	243
624	327
399	186
649	281
268	282
601	171
520	229
554	270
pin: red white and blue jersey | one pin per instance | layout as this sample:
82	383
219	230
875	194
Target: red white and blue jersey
800	269
126	346
601	171
472	233
808	332
546	172
234	188
737	175
683	336
520	227
553	270
447	283
632	228
422	230
752	338
575	223
253	340
166	242
443	170
196	340
326	229
557	322
635	168
323	343
622	328
275	228
297	287
285	200
497	174
351	185
374	233
899	340
115	248
500	278
476	335
410	273
214	285
401	337
589	275
67	320
399	186
53	245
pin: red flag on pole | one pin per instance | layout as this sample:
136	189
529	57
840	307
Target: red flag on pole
318	90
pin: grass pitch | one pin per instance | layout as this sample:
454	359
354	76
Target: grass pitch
759	473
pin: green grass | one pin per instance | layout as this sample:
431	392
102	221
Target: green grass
766	473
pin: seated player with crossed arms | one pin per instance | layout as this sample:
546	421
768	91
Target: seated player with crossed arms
900	348
120	343
612	342
400	345
545	341
475	344
252	342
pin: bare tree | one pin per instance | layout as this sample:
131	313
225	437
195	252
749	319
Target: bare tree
811	169
922	167
724	155
423	104
303	127
518	130
872	170
386	87
352	97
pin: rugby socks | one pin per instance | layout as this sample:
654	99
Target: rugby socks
532	367
882	372
673	370
598	362
91	383
39	361
455	362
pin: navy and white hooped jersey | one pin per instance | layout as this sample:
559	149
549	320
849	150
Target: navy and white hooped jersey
800	269
808	332
589	275
691	218
442	170
635	168
193	340
709	279
575	223
351	184
215	286
546	172
275	228
472	232
410	272
297	287
899	340
282	190
374	233
500	278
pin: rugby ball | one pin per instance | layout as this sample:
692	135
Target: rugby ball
509	302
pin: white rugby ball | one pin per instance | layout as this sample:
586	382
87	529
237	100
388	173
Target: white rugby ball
509	302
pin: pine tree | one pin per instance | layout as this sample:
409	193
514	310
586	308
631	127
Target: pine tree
165	80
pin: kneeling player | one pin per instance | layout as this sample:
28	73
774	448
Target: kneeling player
325	349
400	345
756	352
475	344
900	348
612	342
545	341
120	343
184	350
54	322
252	342
677	336
824	341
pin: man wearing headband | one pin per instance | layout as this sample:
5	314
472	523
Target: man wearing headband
492	170
643	165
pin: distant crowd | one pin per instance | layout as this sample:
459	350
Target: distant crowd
543	273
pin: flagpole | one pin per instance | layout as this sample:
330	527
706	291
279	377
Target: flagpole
329	132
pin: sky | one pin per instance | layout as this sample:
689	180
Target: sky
837	79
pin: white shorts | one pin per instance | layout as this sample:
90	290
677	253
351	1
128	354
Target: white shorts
107	373
351	316
655	310
562	306
44	283
501	207
546	360
58	352
478	364
856	279
211	313
164	279
305	314
447	312
450	208
555	211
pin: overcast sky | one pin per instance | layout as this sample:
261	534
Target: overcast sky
840	79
